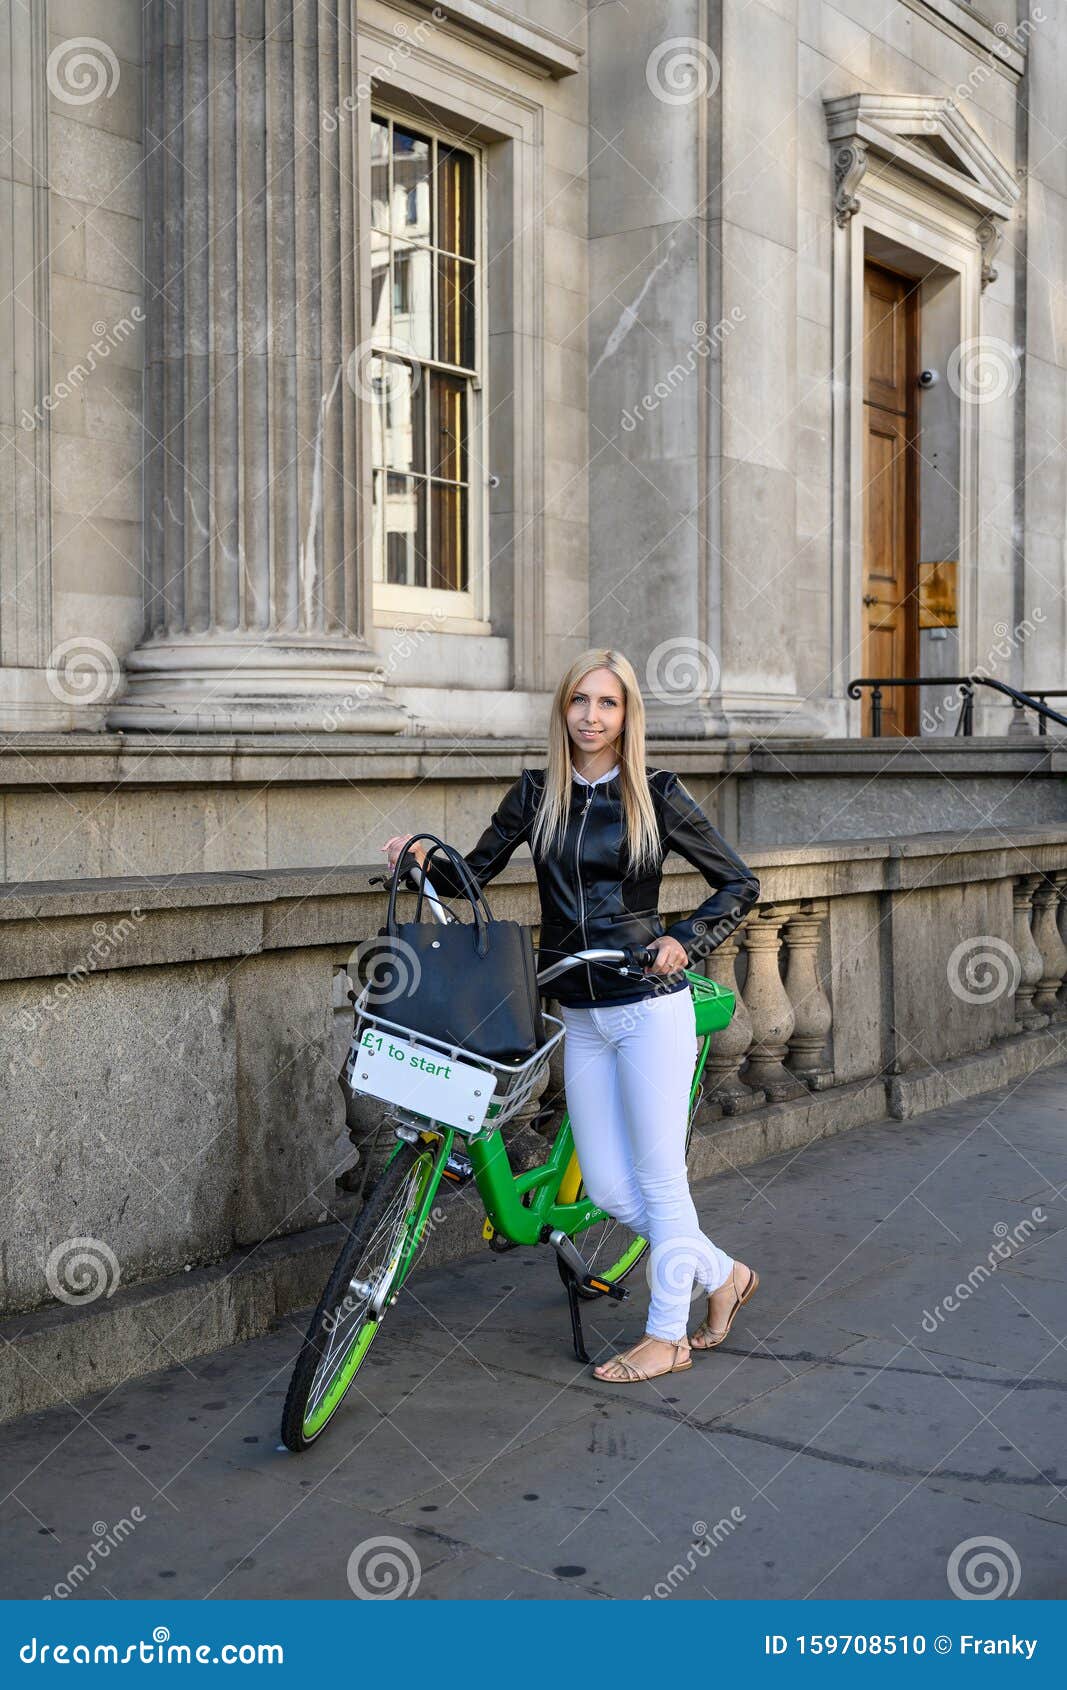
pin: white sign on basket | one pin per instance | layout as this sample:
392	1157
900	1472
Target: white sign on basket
417	1077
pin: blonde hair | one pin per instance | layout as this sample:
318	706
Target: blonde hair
639	815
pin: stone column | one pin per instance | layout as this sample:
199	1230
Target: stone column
1049	942
769	1006
1031	963
256	588
812	1014
730	1047
693	359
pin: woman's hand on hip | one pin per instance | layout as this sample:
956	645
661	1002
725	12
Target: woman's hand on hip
394	846
670	956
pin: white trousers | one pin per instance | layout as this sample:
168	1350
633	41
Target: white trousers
628	1070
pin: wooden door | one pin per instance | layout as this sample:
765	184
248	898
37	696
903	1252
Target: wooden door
891	506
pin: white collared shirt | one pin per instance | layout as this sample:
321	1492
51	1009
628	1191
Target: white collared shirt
609	776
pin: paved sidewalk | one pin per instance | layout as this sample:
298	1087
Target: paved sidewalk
854	1433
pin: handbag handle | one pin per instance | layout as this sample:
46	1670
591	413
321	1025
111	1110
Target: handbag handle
471	890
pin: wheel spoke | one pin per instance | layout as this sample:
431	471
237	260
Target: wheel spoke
374	1272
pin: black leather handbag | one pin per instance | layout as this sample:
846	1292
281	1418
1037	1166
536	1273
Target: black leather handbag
469	983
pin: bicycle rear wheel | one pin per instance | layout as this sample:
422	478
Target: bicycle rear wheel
374	1261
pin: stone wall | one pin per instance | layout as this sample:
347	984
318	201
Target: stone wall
170	1053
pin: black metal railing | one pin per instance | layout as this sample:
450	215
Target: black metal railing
966	685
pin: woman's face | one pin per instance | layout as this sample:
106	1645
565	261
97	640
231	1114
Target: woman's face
596	712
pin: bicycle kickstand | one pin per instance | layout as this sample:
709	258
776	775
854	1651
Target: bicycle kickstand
574	1303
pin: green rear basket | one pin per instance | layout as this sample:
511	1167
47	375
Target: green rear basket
714	1004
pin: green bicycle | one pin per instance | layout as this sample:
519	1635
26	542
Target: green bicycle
545	1204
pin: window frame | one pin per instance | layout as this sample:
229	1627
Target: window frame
468	606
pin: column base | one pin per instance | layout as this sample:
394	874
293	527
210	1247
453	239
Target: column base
255	687
71	697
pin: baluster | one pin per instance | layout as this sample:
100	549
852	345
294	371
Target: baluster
1031	965
1049	943
730	1047
1061	881
812	1014
770	1008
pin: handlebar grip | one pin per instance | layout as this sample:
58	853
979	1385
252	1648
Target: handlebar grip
639	956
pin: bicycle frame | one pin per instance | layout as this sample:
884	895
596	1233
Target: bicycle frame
554	1183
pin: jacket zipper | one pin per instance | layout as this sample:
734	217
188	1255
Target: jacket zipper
578	879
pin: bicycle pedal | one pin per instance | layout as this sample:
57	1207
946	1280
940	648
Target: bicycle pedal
593	1282
458	1169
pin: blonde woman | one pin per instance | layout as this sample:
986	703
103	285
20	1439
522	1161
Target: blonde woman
599	823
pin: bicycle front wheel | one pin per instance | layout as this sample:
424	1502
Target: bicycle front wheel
365	1281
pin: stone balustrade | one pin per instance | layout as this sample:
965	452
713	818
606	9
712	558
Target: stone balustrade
169	1053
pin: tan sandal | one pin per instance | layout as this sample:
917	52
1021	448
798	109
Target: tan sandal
635	1375
712	1333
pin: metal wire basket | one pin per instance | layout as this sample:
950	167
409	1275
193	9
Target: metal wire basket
513	1083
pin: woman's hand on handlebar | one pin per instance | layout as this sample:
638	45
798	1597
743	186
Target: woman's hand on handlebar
670	956
394	846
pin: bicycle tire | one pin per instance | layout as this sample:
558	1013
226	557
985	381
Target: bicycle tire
376	1253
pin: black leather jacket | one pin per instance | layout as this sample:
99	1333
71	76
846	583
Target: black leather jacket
590	898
